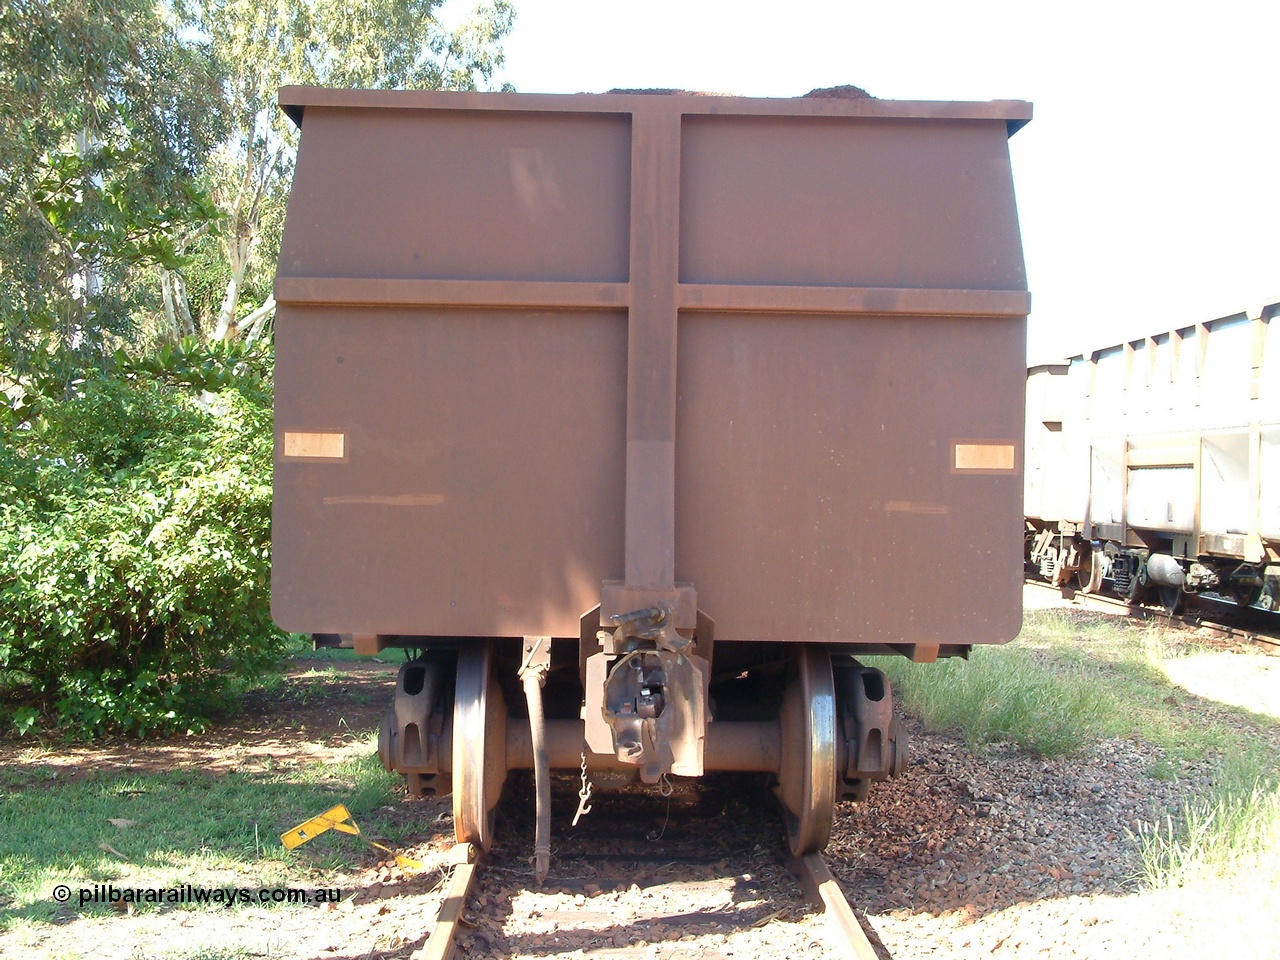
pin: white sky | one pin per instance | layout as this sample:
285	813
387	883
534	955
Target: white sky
1148	183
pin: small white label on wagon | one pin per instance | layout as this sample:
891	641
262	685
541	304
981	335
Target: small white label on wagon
316	446
999	457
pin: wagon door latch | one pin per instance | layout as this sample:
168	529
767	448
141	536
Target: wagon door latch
646	696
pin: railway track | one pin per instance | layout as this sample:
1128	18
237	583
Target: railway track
1198	615
846	936
648	882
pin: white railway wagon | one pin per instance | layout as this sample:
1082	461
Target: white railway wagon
1153	466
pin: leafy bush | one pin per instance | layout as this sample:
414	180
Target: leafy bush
135	518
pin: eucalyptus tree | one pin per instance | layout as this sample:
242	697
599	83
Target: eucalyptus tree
266	44
107	111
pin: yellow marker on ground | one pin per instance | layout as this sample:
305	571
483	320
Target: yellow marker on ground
337	818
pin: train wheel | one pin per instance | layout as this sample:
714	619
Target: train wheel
1173	599
1247	595
479	745
807	778
1090	577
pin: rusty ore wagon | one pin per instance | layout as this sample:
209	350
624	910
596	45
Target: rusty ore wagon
638	418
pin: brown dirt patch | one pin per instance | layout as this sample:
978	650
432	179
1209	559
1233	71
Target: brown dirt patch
317	709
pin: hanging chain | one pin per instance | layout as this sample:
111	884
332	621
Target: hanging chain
665	789
584	794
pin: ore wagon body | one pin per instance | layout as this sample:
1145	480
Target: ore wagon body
662	408
1153	466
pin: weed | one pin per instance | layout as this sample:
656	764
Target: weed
1234	833
1068	680
215	953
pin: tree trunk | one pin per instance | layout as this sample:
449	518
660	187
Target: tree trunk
238	251
186	326
177	308
166	292
255	324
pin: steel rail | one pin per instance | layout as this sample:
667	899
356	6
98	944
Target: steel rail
1271	643
848	937
442	940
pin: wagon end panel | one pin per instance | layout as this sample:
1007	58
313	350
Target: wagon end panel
534	353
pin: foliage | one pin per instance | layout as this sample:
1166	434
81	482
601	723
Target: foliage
141	145
134	543
209	367
138	140
106	113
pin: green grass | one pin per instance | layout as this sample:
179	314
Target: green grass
215	953
1148	705
1067	682
1216	864
1044	706
300	647
188	826
1225	845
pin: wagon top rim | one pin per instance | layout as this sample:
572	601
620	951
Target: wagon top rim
295	100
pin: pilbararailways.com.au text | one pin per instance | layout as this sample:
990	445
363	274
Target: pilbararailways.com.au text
187	895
